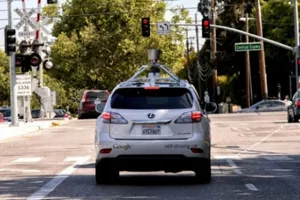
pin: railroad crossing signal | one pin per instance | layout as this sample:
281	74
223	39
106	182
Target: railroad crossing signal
205	28
10	40
146	26
27	61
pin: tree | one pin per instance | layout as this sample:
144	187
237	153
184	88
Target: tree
100	43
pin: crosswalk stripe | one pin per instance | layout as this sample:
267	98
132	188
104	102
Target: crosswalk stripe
28	159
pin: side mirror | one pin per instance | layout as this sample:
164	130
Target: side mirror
210	107
100	107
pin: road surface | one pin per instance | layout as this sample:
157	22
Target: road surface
254	157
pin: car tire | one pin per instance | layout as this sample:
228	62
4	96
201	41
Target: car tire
290	119
293	119
203	173
80	116
105	175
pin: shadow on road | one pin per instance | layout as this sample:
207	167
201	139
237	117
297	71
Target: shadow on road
225	185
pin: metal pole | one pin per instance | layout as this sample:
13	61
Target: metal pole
214	51
296	24
290	84
248	71
198	64
262	64
12	75
187	54
278	44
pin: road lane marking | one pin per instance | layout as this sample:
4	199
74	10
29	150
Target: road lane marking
277	158
24	160
261	141
52	184
224	157
233	165
72	159
20	170
251	187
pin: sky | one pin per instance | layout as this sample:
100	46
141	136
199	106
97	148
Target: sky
190	4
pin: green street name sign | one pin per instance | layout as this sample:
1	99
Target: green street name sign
251	46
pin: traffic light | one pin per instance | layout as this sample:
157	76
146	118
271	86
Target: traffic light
146	26
10	40
51	1
205	28
19	60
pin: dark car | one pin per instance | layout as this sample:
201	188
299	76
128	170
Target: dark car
6	113
88	102
62	113
293	113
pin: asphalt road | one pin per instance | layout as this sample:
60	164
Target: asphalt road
255	157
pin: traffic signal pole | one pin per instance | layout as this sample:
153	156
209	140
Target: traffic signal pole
12	76
297	53
214	50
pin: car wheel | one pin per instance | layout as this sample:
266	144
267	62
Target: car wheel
80	116
203	173
290	119
296	119
105	175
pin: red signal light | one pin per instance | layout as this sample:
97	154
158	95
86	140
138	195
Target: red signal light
34	60
298	61
206	23
145	21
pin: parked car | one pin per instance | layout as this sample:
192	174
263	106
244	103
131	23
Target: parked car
62	113
6	113
293	112
88	101
266	106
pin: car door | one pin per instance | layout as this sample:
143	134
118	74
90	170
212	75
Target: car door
293	106
277	106
263	106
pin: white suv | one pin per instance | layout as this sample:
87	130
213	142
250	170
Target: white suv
153	124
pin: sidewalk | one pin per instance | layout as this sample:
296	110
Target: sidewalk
7	132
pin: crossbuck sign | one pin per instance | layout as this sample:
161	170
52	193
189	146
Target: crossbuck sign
27	18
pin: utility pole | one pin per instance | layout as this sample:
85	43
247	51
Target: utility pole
296	25
12	75
248	69
187	54
198	58
214	50
262	63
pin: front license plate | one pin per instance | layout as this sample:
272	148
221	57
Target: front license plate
151	130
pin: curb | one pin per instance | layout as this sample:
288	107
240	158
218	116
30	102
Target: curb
32	129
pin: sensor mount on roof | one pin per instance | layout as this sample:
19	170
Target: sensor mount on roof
154	55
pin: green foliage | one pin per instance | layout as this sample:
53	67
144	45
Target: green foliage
4	78
100	45
277	25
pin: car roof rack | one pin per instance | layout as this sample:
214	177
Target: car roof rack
154	67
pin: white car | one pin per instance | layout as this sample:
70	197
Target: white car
153	124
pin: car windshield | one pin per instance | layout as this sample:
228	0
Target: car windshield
6	112
163	98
